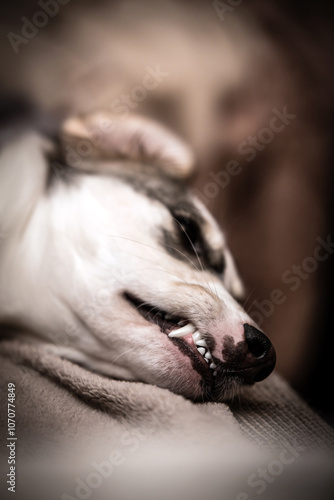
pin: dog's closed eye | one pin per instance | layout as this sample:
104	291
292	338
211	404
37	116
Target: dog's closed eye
191	237
193	242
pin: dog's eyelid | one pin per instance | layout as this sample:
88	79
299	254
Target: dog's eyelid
187	223
190	231
194	241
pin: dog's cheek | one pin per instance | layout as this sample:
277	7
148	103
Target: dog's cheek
170	370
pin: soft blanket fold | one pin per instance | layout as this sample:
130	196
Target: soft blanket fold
68	418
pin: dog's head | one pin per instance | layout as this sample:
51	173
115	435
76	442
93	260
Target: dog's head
125	270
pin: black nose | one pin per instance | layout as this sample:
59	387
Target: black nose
258	343
261	358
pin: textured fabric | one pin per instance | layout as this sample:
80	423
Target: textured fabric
69	421
271	412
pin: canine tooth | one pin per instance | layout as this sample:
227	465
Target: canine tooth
214	373
183	331
213	366
200	343
208	355
201	350
168	316
197	336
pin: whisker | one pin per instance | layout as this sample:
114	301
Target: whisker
162	271
155	248
177	250
197	256
136	241
191	243
183	255
249	296
173	248
129	350
250	307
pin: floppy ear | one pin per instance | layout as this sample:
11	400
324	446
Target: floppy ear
106	136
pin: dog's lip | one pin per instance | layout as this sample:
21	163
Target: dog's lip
157	316
189	341
266	368
153	314
243	373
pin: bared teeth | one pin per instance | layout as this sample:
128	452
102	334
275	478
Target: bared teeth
183	331
203	349
197	336
199	341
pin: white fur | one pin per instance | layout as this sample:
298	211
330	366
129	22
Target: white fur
71	252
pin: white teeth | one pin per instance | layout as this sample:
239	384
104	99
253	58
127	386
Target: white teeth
204	351
197	336
198	340
183	331
201	343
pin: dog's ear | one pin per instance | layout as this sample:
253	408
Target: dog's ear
102	135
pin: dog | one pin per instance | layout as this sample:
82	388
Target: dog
109	260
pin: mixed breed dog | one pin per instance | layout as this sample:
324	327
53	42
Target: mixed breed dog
121	221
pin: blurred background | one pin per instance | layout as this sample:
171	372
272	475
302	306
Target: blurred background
249	85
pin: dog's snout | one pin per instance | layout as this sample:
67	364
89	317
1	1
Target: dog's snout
261	357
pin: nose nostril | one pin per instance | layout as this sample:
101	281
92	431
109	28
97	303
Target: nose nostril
256	348
258	344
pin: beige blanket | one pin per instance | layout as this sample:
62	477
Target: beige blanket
81	435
